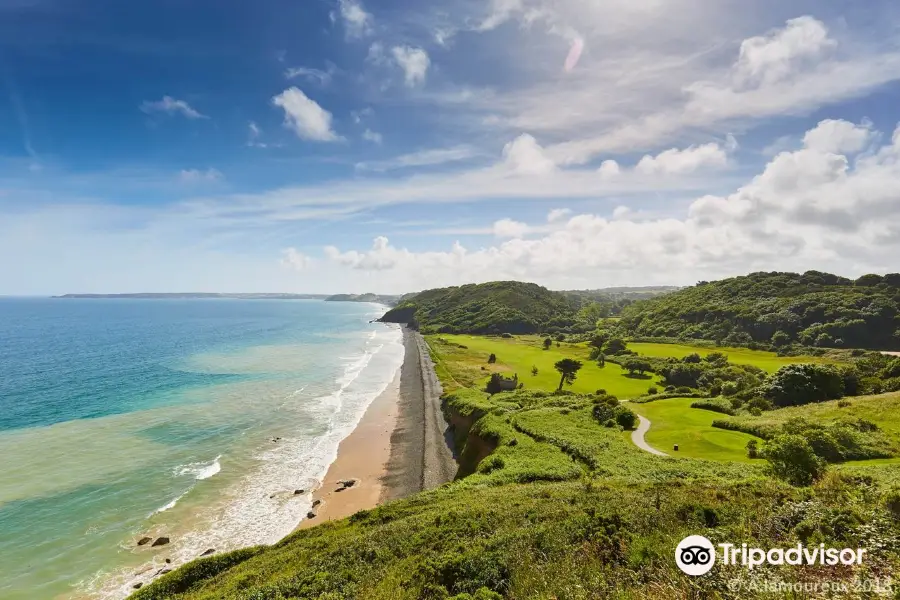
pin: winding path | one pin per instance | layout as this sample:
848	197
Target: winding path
637	436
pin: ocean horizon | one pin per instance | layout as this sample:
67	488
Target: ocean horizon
192	419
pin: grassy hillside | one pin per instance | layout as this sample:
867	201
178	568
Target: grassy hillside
497	307
556	506
813	309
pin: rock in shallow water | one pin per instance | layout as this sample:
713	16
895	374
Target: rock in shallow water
144	540
208	552
160	541
138	585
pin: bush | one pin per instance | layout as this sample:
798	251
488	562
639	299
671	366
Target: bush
626	418
791	458
755	411
683	390
720	405
752	449
692	359
652	391
547	343
794	385
492	358
843	403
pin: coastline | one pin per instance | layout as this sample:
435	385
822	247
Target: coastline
398	449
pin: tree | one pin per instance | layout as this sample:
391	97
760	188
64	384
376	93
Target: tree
614	346
636	364
752	449
598	339
534	370
792	458
793	385
547	343
568	369
493	385
780	339
492	358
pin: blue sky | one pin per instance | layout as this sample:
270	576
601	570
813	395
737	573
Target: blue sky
356	145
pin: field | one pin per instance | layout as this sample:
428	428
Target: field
673	421
767	361
462	366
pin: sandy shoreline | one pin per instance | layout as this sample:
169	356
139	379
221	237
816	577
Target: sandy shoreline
399	447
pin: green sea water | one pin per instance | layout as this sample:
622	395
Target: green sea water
121	419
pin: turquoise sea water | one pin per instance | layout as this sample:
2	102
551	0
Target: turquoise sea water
128	418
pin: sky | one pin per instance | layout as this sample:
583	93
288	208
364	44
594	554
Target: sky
327	146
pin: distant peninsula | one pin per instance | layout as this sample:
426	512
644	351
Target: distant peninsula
389	300
191	295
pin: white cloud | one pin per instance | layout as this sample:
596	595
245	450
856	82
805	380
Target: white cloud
558	214
170	105
773	57
253	136
304	116
839	136
499	12
684	161
294	260
526	157
314	75
357	22
423	158
609	169
200	176
414	62
507	228
808	209
372	136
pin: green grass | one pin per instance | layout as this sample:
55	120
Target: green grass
462	367
883	410
673	421
767	361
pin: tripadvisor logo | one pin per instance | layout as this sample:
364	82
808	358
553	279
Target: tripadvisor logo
696	555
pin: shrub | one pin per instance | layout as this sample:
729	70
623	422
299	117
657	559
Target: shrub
683	390
794	385
752	449
626	418
720	405
652	391
843	403
791	458
534	370
755	411
547	343
492	358
692	359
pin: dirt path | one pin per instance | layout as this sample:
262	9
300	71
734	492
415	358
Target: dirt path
892	353
637	436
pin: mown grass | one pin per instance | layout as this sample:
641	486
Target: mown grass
673	421
767	361
463	366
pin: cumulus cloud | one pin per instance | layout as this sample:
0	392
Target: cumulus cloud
684	161
774	56
609	169
414	62
357	22
304	116
172	106
525	156
507	228
294	260
839	136
810	208
200	176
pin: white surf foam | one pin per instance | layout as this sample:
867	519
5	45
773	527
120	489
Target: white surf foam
262	507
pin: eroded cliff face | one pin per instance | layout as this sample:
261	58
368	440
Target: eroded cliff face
470	447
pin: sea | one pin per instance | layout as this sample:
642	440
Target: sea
192	419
